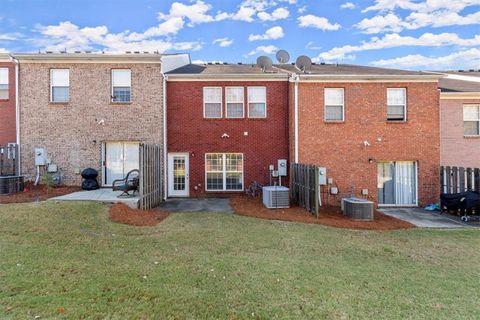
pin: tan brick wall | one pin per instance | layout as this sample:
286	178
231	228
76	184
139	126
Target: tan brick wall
457	150
339	146
70	132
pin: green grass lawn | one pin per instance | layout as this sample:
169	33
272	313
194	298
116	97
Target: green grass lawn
198	266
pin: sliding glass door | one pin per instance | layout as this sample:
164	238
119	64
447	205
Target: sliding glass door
397	183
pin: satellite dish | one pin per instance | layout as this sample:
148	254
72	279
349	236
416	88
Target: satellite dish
283	56
264	62
303	63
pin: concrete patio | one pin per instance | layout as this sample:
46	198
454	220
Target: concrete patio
101	195
424	219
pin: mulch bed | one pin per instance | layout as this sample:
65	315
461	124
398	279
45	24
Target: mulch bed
121	213
33	193
329	216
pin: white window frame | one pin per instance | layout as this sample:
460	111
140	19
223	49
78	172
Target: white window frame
404	105
52	86
224	171
6	83
477	120
227	102
248	102
113	87
205	102
325	105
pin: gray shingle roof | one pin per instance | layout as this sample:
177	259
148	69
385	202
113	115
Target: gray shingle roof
349	69
218	69
453	85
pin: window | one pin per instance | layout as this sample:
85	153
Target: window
471	120
59	85
397	183
224	171
121	85
334	104
396	104
3	83
212	102
257	102
234	102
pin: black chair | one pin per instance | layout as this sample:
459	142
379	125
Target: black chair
128	184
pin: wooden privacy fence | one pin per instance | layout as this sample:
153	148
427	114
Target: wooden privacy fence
9	160
304	188
459	179
151	176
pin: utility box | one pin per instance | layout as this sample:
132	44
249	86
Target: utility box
282	168
322	176
40	157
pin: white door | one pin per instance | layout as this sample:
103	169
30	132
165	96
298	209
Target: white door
178	173
120	159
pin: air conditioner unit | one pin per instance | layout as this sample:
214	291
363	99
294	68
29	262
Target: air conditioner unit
275	197
357	209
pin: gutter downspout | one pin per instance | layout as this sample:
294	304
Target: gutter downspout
296	79
165	151
17	111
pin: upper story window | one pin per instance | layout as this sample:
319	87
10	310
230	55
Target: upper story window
257	102
235	100
3	83
212	102
334	104
396	104
471	120
59	85
121	85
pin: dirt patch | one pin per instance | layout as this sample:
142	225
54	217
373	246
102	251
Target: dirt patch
121	213
329	216
33	193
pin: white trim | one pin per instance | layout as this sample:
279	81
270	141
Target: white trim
243	102
170	190
477	105
17	114
325	105
248	102
295	78
221	102
405	94
165	145
224	171
459	95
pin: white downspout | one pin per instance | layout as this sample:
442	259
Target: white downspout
17	111
165	151
295	79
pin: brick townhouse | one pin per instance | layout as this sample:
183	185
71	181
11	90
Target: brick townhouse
460	119
226	124
89	110
375	130
7	101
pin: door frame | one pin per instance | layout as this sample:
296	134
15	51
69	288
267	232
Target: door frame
170	174
104	158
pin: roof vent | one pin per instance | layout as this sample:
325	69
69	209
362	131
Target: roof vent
472	70
460	70
48	52
88	51
137	52
78	51
209	63
240	63
322	63
128	52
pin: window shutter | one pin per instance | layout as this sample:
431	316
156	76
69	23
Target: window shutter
121	78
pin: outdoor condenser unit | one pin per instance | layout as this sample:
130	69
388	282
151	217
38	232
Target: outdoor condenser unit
275	197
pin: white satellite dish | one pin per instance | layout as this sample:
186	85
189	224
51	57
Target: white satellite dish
283	56
303	63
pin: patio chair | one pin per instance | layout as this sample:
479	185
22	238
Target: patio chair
128	184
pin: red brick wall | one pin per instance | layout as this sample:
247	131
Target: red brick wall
339	146
188	131
7	108
457	150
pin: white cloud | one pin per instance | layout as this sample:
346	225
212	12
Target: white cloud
310	46
277	14
10	36
312	21
462	59
271	34
3	50
396	40
434	13
223	42
302	10
348	5
270	49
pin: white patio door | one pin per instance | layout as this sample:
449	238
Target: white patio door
120	159
397	183
178	175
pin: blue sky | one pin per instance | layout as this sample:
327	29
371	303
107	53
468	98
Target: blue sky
411	34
